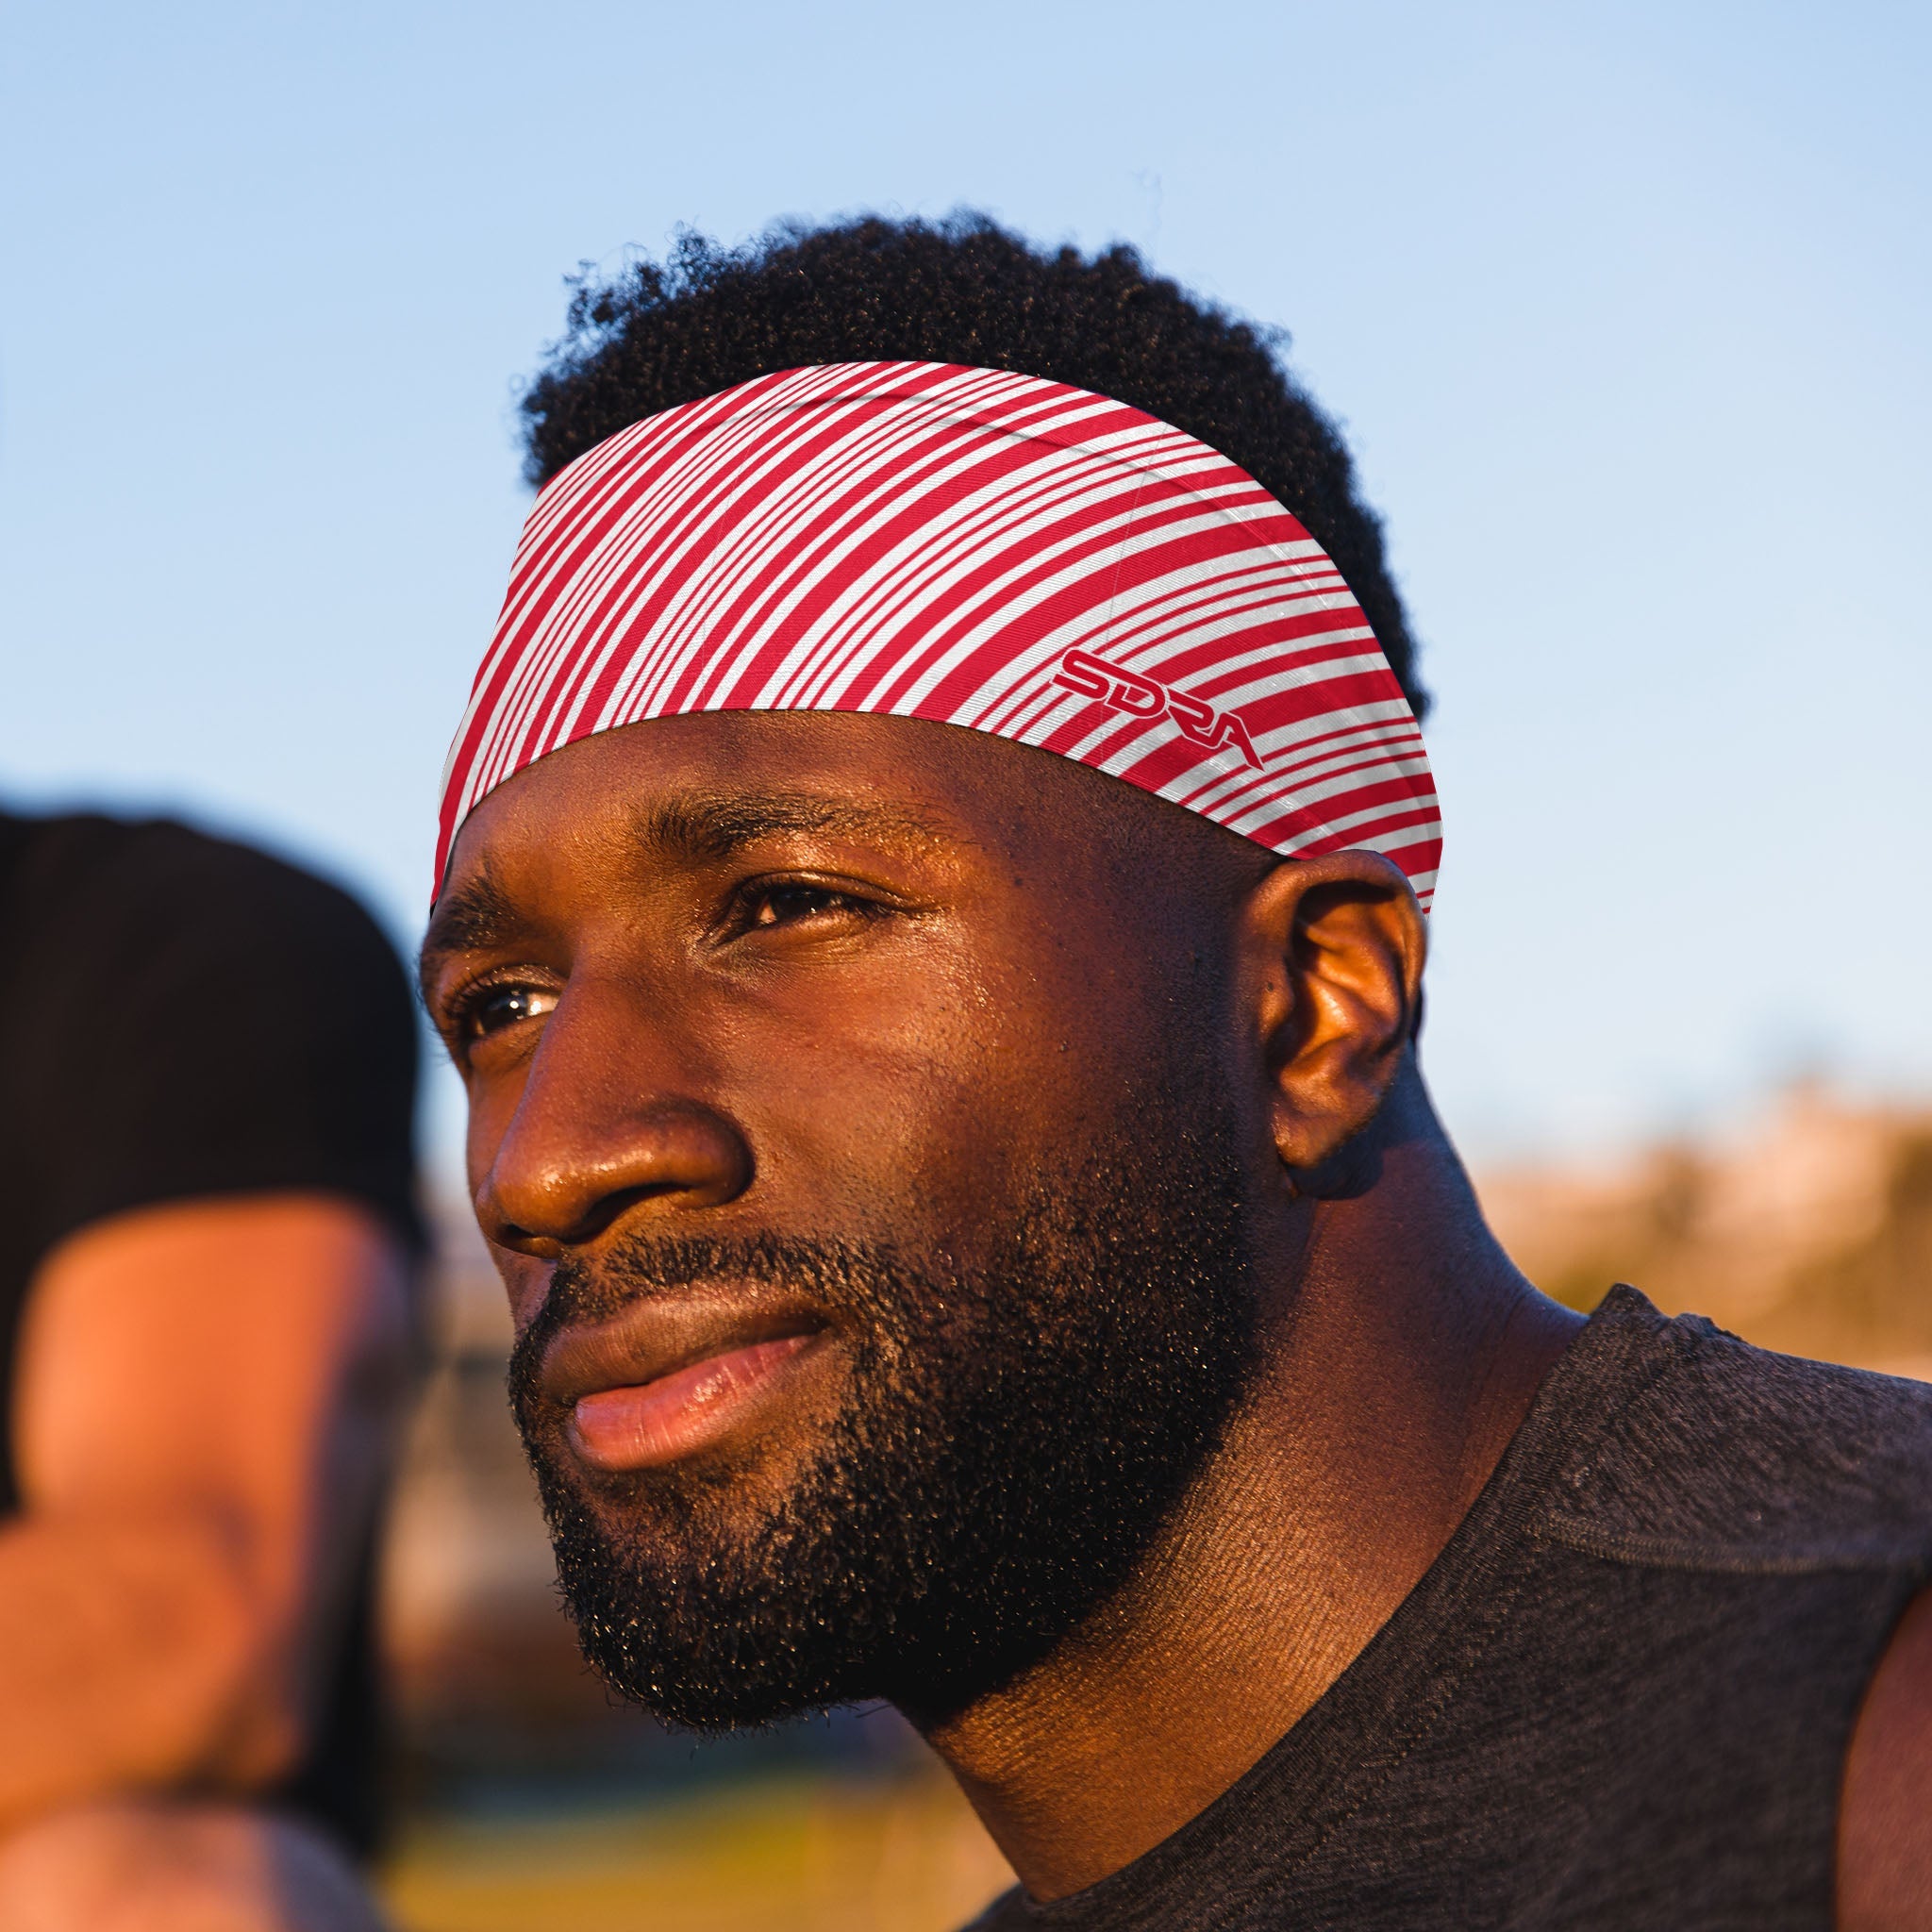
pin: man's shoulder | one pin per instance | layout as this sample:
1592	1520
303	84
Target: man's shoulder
1716	1454
206	1019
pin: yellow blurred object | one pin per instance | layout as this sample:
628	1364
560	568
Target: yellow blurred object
803	1854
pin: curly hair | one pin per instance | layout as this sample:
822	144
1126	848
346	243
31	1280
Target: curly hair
966	291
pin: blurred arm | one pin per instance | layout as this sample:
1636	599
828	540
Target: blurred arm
1885	1821
207	1396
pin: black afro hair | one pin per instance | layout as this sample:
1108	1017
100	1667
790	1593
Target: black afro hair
963	290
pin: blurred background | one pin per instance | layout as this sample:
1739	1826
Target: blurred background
1623	310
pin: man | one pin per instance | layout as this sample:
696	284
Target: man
208	1066
931	920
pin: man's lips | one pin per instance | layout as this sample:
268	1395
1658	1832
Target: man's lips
657	1422
669	1377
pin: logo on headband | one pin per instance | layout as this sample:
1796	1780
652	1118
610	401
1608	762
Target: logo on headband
1011	500
1140	697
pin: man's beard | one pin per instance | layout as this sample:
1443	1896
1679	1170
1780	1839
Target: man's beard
1013	1436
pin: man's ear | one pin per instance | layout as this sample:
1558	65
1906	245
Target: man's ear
1332	953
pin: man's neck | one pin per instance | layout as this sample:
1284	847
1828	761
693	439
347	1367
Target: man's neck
1397	1371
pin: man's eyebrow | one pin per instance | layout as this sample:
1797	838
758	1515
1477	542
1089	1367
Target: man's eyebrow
697	827
471	916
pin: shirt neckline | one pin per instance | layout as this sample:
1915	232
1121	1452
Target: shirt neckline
1350	1738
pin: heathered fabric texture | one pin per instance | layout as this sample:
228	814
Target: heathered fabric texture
1620	1698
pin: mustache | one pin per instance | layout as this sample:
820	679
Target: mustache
860	1278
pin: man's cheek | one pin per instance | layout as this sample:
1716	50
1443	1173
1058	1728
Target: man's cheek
893	1135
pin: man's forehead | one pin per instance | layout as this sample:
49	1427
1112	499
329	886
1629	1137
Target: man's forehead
701	784
696	789
696	827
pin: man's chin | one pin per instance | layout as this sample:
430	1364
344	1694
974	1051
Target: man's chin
692	1637
1001	1449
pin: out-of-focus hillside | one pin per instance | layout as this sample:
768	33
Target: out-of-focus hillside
1810	1233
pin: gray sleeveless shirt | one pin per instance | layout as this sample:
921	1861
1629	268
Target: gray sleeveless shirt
1620	1698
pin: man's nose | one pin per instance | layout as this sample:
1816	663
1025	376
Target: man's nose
610	1120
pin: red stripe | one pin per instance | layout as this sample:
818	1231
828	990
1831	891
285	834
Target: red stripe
850	536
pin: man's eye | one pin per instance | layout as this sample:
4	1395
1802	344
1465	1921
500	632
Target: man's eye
787	905
499	1007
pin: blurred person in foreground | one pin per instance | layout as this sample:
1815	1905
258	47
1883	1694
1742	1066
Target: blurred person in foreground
931	920
206	1084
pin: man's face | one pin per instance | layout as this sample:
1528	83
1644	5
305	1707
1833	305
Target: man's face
848	1113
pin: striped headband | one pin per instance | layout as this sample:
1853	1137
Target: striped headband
969	546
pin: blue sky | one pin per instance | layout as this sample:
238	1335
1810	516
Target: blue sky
1626	311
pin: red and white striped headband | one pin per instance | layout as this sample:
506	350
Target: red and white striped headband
970	546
